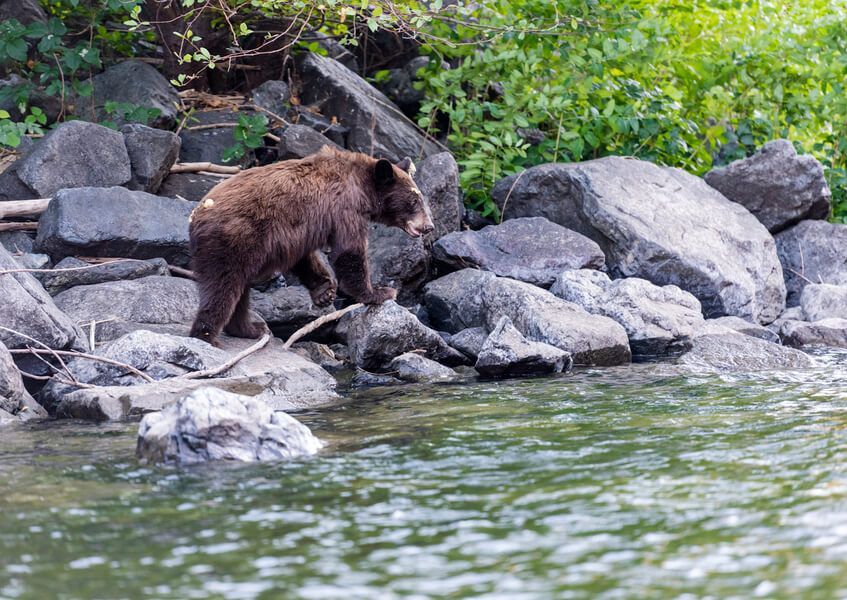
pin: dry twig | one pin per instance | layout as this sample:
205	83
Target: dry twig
307	329
231	362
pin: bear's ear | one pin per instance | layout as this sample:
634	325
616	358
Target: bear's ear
383	173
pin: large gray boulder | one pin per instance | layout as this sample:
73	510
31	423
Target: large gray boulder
507	353
299	141
15	402
131	83
830	333
438	179
26	308
530	249
416	368
210	424
279	378
659	224
377	126
718	349
152	153
747	328
813	251
776	184
62	277
115	222
165	304
659	321
824	301
207	144
397	260
378	334
24	11
273	96
287	308
76	154
471	298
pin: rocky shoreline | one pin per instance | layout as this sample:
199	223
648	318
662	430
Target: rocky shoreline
597	264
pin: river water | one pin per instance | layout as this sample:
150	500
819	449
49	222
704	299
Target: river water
617	483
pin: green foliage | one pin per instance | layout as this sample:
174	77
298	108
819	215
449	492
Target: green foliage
685	84
11	132
249	134
129	113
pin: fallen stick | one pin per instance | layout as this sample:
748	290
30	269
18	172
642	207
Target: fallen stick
204	166
309	328
75	354
18	226
55	353
231	362
100	264
23	208
181	272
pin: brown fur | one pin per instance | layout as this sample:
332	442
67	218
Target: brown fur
279	217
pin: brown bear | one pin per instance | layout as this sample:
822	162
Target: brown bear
278	218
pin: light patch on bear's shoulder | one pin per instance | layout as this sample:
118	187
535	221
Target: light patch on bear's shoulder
207	203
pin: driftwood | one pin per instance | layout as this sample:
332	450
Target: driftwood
18	226
23	208
231	362
94	266
75	354
204	166
307	329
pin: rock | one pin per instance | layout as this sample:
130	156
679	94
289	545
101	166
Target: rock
379	334
747	328
332	130
337	51
659	224
438	179
658	320
530	249
29	260
721	350
812	251
16	241
507	353
23	11
11	186
824	301
469	341
28	309
377	126
400	87
320	354
471	298
286	309
475	221
830	333
152	153
15	401
115	222
76	154
188	186
207	145
273	96
397	260
299	141
165	304
134	84
365	379
776	184
59	280
211	424
273	375
414	368
795	313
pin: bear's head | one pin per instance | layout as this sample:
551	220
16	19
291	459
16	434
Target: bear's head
401	202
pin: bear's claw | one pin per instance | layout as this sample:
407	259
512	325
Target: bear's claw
323	296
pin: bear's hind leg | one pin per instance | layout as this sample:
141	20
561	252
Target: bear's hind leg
239	323
218	300
314	272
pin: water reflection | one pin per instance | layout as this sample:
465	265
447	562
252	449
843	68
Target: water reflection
615	483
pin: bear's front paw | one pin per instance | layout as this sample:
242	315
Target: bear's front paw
323	295
381	294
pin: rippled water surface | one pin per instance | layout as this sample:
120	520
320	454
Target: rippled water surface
622	483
